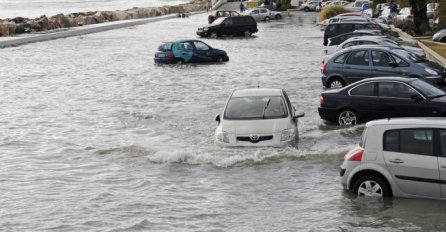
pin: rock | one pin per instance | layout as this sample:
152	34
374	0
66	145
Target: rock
44	23
79	20
89	20
18	20
61	21
99	17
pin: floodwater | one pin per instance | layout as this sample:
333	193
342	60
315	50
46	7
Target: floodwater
95	137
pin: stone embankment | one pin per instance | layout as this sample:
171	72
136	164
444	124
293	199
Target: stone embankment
20	25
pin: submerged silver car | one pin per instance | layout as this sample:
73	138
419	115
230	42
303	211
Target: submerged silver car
401	157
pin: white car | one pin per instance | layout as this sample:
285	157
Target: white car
263	14
257	117
401	157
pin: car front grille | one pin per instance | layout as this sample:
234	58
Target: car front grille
254	139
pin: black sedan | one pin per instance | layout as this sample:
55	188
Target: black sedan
382	97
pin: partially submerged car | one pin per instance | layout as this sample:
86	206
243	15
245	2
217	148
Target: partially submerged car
257	117
263	14
188	51
221	13
236	25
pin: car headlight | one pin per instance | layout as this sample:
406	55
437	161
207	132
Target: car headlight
430	71
205	28
287	134
223	137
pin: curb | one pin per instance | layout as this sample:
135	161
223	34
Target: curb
76	31
429	52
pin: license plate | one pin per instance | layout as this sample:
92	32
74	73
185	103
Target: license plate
161	55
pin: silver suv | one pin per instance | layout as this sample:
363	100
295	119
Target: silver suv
401	157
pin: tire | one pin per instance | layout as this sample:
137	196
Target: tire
220	59
179	61
306	9
278	16
347	117
335	83
266	19
371	186
213	35
247	33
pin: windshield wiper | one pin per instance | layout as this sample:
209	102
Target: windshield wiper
266	106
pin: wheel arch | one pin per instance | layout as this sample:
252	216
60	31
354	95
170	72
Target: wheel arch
335	76
369	172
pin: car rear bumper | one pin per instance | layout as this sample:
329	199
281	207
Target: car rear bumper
163	61
327	114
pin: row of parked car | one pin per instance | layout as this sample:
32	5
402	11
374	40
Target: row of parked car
389	84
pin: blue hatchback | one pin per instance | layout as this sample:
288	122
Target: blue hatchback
188	51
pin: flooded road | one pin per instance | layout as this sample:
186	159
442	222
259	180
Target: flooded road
95	137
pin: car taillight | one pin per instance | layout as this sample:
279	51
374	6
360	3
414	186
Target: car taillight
322	101
324	68
354	155
171	56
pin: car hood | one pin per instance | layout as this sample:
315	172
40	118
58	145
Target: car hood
259	126
434	66
417	51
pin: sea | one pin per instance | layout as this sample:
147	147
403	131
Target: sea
36	8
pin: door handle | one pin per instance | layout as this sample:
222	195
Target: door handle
397	161
443	167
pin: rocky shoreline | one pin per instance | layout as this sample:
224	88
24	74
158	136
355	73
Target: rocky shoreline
21	25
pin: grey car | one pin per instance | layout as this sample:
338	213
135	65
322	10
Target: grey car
401	157
356	63
440	36
379	40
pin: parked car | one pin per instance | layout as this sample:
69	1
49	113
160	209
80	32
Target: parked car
379	40
309	6
263	14
236	25
360	62
343	37
339	28
382	97
431	8
386	15
401	157
221	13
405	15
440	36
188	51
257	117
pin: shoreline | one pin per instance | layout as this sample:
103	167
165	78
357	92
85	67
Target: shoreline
10	27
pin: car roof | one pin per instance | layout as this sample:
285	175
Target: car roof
419	121
184	40
376	46
257	92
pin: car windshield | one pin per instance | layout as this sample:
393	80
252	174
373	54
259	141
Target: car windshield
219	20
409	56
256	107
427	89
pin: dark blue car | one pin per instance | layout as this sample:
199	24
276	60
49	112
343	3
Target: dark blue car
188	51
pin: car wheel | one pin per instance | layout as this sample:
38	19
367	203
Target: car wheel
220	59
347	117
247	33
306	9
214	35
179	61
267	19
278	16
371	186
336	83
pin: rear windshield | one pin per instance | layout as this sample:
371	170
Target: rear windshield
256	107
165	47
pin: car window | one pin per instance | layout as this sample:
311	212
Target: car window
367	89
331	28
263	11
443	142
341	59
381	58
255	11
412	141
228	21
346	28
349	44
201	46
395	90
256	107
165	47
185	46
360	57
400	62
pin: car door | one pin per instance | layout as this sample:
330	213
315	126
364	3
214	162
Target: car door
202	52
357	66
264	13
227	27
363	98
398	99
183	50
442	160
409	157
383	64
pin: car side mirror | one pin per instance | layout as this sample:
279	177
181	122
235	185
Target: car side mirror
416	97
299	115
393	65
217	118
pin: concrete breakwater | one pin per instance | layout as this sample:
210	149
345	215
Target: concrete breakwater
20	25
